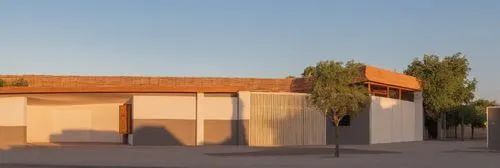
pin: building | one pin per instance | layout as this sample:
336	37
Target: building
200	111
493	127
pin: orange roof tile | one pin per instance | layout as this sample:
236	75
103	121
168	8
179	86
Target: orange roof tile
382	76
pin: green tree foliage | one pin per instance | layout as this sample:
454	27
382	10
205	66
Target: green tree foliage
445	85
472	114
478	119
2	83
465	115
335	91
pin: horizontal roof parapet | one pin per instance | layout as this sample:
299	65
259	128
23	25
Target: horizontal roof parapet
123	84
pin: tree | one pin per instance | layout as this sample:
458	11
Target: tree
465	115
335	91
478	118
445	86
2	83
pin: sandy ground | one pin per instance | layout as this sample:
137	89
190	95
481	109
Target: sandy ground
428	154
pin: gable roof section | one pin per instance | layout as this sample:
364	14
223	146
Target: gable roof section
386	77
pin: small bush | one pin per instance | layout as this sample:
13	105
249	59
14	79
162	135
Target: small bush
2	83
19	82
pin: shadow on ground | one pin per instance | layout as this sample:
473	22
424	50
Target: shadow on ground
69	166
299	151
471	151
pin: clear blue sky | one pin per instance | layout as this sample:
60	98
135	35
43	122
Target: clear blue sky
253	38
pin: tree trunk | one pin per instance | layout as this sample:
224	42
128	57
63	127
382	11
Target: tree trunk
439	124
455	125
440	128
456	131
462	131
337	140
445	135
472	132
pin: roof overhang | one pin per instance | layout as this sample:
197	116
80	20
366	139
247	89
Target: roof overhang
388	78
37	90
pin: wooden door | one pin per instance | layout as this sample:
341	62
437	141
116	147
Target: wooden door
125	119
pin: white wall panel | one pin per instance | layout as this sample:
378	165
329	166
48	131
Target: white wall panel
220	108
165	107
244	102
381	117
408	121
77	123
70	125
419	117
105	123
396	118
38	124
13	111
200	120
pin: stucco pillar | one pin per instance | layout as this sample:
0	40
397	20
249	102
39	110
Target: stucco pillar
244	98
200	124
13	120
419	116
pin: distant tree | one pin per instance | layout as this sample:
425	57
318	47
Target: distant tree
472	114
2	83
478	118
445	86
465	116
335	91
19	82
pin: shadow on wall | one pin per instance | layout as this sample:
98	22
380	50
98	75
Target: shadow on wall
161	137
86	136
228	132
356	133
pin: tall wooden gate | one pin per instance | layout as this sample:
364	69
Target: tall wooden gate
125	121
284	119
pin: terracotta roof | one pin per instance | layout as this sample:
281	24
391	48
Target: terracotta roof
386	77
138	84
141	84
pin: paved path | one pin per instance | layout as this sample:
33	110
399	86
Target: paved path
469	154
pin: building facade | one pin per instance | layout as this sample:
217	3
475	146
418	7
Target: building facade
200	111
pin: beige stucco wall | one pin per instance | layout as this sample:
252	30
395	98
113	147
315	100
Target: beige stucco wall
73	123
13	111
419	116
244	101
169	106
217	116
219	108
167	119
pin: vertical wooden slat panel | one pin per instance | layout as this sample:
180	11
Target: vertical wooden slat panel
285	119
